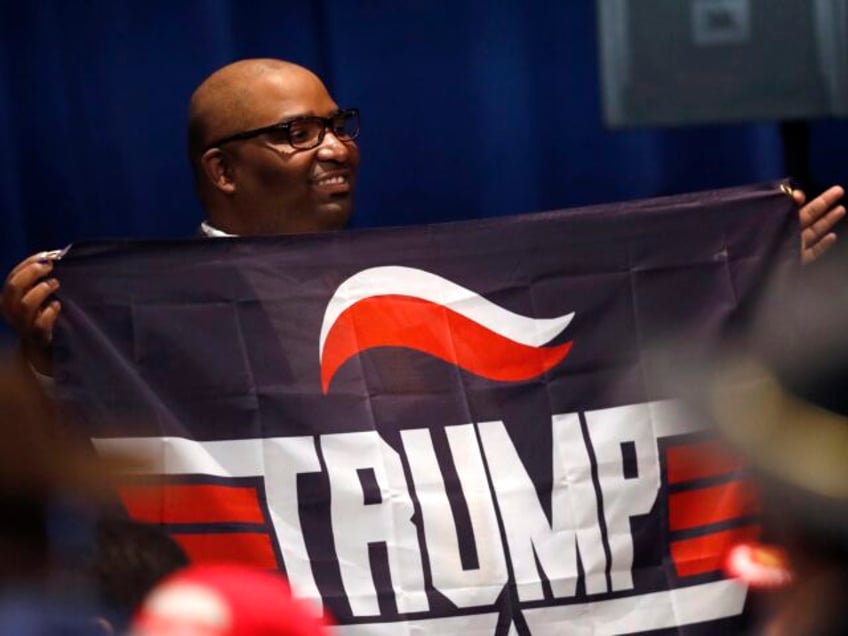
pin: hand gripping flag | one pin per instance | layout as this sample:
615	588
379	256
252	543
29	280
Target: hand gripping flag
446	429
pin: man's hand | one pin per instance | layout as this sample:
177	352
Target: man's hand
817	220
27	306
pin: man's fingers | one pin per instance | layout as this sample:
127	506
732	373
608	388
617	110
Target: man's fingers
822	226
819	206
31	305
19	284
817	237
799	197
25	276
809	254
43	325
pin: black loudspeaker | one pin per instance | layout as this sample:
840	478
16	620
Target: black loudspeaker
667	62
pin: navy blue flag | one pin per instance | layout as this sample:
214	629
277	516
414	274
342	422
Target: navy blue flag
445	429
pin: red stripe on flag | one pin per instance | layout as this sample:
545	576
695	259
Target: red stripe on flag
403	321
701	507
707	554
253	548
183	503
698	461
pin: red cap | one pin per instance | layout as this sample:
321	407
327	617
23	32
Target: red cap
225	600
760	566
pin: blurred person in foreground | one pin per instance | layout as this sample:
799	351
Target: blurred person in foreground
128	559
784	404
226	600
49	490
272	153
69	563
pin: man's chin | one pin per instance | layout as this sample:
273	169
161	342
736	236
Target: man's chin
333	215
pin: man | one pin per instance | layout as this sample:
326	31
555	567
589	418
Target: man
272	153
263	161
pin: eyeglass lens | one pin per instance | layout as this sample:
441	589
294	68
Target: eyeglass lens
307	132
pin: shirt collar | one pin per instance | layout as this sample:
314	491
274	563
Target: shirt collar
212	232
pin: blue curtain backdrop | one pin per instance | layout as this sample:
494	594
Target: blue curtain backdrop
471	108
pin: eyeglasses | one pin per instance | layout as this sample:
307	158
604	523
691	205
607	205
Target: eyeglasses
304	133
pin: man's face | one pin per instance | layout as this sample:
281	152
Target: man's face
283	190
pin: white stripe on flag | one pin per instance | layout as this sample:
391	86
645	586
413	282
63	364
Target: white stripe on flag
645	612
180	456
472	625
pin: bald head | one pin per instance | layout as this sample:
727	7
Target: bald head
228	100
261	184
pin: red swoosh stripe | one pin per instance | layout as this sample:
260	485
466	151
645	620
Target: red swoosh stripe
714	504
252	548
690	462
700	505
701	555
189	503
403	321
212	506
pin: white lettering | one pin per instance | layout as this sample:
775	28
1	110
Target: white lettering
284	458
624	496
529	534
622	439
574	496
466	588
356	523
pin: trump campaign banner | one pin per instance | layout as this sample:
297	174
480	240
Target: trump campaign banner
447	429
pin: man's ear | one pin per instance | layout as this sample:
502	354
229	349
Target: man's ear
218	169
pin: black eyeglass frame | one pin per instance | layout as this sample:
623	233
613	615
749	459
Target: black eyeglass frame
285	127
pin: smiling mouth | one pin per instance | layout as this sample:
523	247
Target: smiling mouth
336	180
333	184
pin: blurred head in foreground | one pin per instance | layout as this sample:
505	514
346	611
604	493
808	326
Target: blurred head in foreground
225	600
784	405
129	558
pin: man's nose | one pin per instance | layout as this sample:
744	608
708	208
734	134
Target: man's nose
333	148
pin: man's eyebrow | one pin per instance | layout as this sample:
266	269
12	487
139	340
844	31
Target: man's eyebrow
288	119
